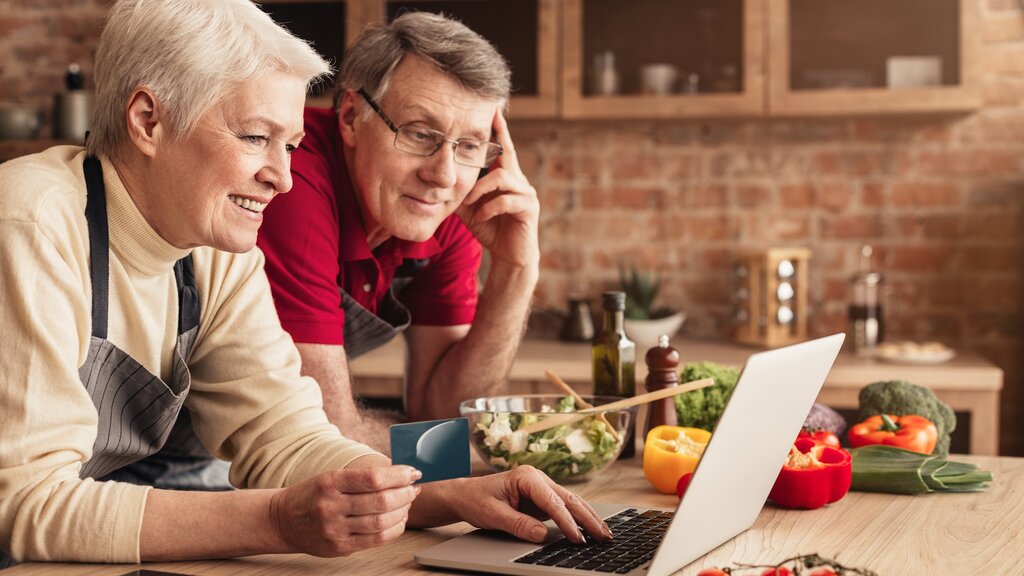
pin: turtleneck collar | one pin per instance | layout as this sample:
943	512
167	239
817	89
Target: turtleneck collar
134	241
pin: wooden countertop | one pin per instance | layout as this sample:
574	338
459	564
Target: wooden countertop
890	534
571	361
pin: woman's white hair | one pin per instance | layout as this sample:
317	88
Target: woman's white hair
192	54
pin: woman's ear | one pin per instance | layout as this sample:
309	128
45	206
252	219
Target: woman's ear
348	112
145	122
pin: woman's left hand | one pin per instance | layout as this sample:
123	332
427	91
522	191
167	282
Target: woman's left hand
516	502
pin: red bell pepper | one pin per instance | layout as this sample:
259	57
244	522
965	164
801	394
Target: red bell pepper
820	436
814	474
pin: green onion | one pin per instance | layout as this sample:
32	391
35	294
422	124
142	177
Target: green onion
878	468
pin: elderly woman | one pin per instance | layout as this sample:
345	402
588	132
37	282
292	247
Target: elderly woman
129	292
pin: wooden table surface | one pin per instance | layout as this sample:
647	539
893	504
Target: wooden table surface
890	534
968	382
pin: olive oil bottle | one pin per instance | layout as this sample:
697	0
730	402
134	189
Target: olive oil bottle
614	359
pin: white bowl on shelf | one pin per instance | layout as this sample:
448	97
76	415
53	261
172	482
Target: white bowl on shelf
646	332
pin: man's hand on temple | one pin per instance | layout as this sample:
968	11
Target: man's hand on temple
502	209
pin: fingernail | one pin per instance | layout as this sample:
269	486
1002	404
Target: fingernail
538	533
416	474
607	530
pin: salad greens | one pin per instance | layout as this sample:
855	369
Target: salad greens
563	453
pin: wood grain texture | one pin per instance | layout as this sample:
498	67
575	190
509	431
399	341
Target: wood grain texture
890	534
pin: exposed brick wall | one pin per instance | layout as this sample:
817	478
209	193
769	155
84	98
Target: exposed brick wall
38	39
941	199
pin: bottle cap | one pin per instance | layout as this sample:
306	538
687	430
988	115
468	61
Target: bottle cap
614	300
74	80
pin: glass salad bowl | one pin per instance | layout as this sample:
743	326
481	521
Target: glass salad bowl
570	452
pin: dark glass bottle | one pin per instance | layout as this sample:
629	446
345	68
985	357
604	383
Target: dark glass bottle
614	358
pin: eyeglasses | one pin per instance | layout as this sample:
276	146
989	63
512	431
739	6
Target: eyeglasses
422	141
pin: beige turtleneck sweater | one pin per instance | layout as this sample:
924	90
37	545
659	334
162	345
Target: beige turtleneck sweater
249	403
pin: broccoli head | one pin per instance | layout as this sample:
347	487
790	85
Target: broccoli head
901	397
702	408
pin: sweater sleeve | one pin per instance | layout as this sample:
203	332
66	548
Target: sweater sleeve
47	420
248	401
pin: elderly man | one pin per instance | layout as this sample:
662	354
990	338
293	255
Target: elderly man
131	296
396	189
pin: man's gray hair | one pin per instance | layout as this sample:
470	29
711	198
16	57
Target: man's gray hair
192	54
447	44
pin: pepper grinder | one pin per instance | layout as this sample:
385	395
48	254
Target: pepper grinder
662	372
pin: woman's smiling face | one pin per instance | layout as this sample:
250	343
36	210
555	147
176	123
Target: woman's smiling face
215	183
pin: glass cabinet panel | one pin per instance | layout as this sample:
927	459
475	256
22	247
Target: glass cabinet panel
323	24
849	57
662	58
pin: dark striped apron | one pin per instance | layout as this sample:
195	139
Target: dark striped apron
364	330
137	410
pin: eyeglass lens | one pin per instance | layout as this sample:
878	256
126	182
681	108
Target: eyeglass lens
425	142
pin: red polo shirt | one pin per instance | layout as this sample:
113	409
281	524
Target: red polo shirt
315	241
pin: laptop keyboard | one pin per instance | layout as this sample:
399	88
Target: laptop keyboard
637	536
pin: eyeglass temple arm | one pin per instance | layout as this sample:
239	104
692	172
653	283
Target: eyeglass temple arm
376	108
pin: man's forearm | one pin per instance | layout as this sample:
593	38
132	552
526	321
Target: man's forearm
369	425
479	363
328	365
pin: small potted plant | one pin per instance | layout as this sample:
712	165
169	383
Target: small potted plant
643	322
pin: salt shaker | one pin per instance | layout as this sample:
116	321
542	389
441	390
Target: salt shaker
662	372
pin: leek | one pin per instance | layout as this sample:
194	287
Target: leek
879	468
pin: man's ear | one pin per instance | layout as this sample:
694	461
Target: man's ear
348	112
146	127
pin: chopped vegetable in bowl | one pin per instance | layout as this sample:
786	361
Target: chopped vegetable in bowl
570	452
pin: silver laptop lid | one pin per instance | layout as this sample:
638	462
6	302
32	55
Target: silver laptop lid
747	449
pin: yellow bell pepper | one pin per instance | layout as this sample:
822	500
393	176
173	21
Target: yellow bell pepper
670	452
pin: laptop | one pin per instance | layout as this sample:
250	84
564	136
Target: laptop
748	447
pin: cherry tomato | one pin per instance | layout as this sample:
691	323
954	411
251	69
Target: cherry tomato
712	572
683	484
821	437
822	572
783	571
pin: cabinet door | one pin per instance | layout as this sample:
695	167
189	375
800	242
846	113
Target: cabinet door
324	23
850	57
525	32
671	58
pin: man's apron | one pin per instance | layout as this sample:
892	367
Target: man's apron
364	330
137	410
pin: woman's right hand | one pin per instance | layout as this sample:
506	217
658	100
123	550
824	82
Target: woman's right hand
344	511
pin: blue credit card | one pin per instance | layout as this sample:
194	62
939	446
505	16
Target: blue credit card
437	448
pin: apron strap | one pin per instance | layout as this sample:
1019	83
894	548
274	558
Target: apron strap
99	262
188	295
99	241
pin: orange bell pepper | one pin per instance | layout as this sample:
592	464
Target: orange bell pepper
914	433
670	452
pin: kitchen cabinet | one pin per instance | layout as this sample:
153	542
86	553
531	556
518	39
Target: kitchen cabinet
843	57
716	47
525	32
327	24
718	58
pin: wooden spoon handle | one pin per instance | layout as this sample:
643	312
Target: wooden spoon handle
580	402
558	419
